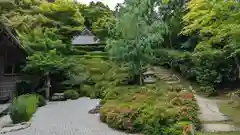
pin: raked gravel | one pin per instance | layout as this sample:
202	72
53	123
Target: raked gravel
67	118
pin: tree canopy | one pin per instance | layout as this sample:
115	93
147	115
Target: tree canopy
135	34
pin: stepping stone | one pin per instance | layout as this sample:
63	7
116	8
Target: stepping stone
171	79
219	128
213	118
149	81
173	82
209	111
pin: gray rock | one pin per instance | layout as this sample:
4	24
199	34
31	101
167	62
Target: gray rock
58	94
95	110
15	127
58	97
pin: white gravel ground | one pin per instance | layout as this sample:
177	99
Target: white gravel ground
67	118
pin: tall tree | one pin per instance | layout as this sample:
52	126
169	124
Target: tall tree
172	11
98	18
63	15
41	39
134	36
218	25
102	27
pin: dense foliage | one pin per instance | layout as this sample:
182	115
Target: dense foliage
46	29
134	36
149	109
197	38
207	44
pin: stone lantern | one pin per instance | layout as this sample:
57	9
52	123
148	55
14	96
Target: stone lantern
149	77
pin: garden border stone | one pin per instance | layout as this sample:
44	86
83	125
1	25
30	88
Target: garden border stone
14	127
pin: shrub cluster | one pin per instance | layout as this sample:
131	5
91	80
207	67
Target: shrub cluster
101	75
23	107
144	110
209	69
41	101
71	94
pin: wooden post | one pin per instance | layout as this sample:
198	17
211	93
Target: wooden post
47	87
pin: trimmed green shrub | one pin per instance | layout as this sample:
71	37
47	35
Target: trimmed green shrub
23	107
85	90
41	101
71	94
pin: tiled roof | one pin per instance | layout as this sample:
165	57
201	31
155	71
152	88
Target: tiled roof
83	40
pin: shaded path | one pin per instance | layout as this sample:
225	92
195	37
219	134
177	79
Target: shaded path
67	118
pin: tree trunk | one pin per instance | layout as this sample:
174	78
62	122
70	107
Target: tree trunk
47	87
170	41
238	65
138	79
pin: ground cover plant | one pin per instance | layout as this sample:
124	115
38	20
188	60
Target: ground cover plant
149	110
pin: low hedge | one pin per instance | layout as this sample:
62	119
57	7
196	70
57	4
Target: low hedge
209	69
23	107
143	110
90	47
41	101
71	94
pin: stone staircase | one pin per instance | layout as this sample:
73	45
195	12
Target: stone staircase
166	75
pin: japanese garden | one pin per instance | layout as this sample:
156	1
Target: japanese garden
145	67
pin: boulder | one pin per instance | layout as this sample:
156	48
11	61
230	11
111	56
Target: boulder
95	110
58	97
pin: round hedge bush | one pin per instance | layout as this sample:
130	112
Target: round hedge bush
23	107
71	94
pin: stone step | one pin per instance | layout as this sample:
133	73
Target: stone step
212	117
217	127
164	74
173	82
167	76
171	79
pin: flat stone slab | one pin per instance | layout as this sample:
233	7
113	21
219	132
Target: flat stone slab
212	118
209	111
219	128
151	80
16	127
58	94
